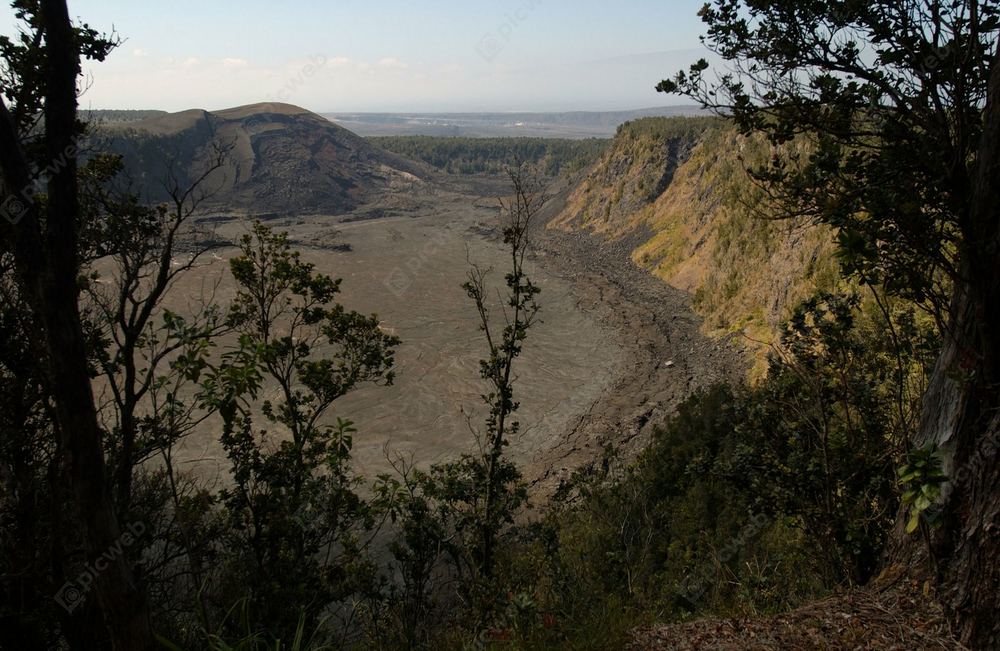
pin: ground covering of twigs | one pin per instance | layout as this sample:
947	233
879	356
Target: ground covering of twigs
901	617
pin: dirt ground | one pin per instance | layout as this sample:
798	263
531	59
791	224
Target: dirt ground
901	616
613	352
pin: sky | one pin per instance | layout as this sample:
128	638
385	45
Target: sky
388	55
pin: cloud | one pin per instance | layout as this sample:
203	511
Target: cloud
392	62
142	54
230	63
190	62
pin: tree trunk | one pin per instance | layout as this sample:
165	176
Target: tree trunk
961	414
48	268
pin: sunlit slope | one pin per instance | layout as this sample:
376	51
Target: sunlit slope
677	192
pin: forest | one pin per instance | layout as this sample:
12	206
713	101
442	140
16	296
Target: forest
552	156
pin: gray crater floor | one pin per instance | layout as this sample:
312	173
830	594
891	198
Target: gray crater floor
410	270
613	352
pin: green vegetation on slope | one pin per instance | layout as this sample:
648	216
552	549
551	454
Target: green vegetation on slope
752	499
658	128
677	189
117	116
490	155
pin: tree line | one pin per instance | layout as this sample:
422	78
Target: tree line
552	156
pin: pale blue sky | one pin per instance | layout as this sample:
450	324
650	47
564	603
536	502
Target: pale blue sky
390	55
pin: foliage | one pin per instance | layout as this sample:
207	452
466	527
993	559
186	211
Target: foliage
114	116
898	103
749	500
139	243
22	67
34	506
499	479
450	521
665	128
817	442
422	546
293	521
457	155
922	477
673	533
254	640
40	131
890	97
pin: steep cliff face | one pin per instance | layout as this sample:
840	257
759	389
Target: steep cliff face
279	159
675	190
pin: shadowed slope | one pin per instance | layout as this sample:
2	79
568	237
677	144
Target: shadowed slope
280	159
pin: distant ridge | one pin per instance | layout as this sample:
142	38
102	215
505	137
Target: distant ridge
281	159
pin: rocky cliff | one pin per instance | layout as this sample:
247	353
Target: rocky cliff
675	192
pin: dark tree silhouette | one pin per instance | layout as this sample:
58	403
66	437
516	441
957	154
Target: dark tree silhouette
898	107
